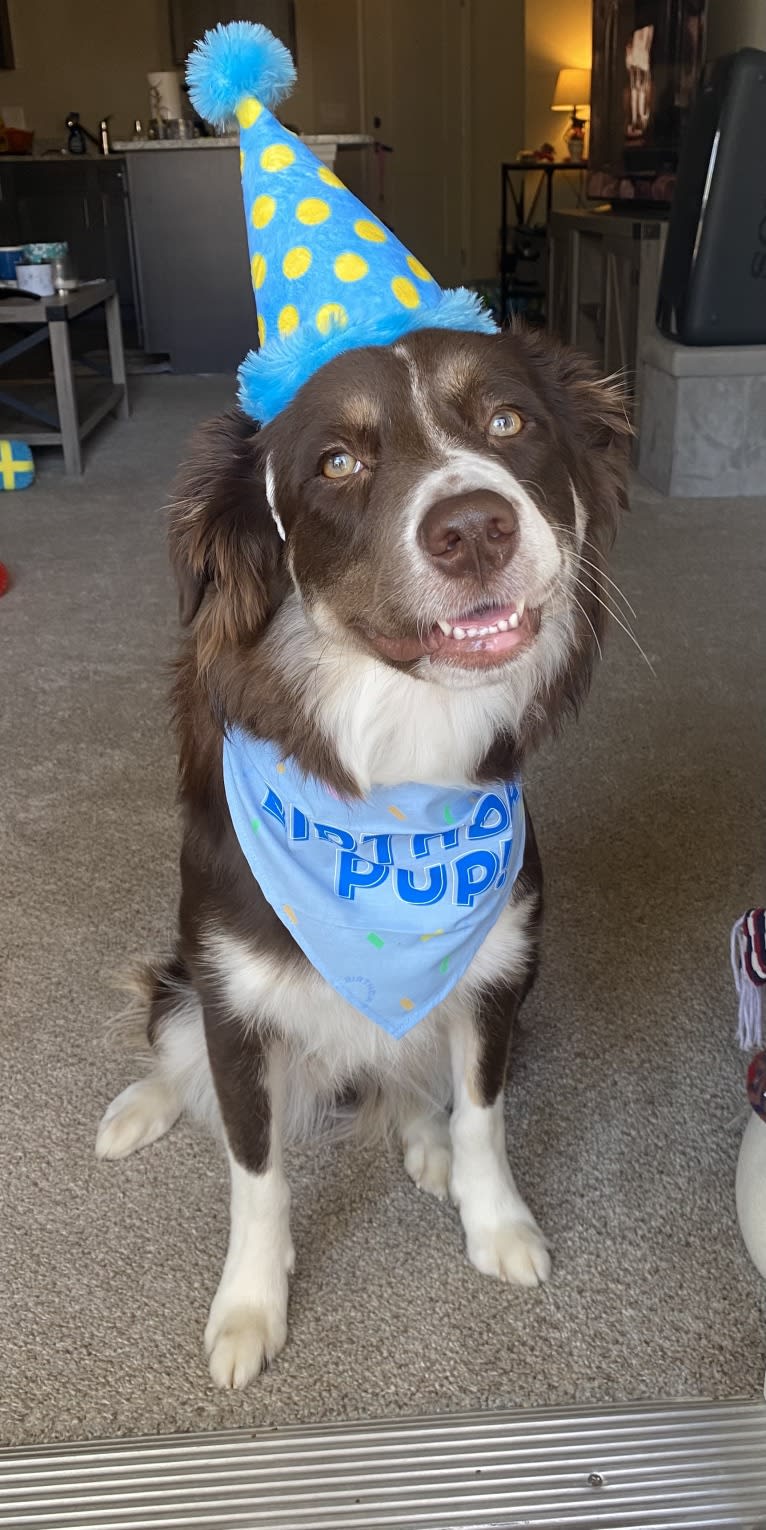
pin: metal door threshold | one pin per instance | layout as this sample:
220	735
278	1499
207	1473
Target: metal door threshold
678	1467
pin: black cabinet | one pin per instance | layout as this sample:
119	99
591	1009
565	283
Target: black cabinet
191	245
84	202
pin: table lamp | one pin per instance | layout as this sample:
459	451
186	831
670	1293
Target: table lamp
572	94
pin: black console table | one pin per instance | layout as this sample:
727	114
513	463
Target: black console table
544	169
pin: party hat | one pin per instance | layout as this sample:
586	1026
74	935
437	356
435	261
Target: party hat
328	276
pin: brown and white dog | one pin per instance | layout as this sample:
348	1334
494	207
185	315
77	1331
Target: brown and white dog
401	579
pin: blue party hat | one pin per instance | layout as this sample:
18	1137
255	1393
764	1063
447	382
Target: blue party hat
327	275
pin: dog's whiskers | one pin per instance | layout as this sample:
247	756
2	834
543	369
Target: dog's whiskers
586	562
581	607
567	531
589	590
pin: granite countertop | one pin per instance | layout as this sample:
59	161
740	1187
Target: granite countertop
56	157
231	141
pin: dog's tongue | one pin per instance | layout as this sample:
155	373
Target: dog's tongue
486	618
488	633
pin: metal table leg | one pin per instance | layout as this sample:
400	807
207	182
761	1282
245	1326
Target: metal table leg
116	352
66	398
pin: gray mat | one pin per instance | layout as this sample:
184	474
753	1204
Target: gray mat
625	1106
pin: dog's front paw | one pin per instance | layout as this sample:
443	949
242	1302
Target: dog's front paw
510	1250
242	1341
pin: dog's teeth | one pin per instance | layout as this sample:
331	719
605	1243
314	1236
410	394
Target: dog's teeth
502	626
472	632
514	619
458	632
445	627
521	608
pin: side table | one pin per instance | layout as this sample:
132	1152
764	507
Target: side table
51	317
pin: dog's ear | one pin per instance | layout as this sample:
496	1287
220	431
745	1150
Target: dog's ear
224	546
591	416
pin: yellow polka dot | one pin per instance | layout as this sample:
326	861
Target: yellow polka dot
405	292
262	211
406	1003
296	261
288	319
248	111
349	268
241	160
366	229
329	316
277	157
261	330
330	178
291	914
258	270
418	269
312	210
397	812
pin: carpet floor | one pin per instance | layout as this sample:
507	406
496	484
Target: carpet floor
625	1105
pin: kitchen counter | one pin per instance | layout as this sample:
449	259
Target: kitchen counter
168	227
231	141
191	246
55	157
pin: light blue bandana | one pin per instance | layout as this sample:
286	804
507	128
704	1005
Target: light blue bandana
389	897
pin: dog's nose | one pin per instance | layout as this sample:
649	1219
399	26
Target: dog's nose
470	533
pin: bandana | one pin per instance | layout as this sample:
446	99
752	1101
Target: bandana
389	897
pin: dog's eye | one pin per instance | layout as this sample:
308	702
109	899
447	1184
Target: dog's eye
340	465
506	423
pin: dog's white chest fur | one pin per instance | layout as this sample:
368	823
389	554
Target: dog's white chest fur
329	1036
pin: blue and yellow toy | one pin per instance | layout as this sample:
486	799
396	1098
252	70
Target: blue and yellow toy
17	468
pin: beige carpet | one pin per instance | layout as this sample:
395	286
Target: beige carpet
625	1107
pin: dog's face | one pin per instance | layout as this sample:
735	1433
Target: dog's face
444	504
435	498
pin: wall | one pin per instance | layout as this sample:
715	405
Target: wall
328	98
90	56
497	119
558	35
735	24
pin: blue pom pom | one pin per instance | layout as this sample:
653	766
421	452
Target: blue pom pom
236	60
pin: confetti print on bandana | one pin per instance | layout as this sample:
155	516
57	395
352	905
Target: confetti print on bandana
406	1003
281	768
291	914
432	935
448	818
376	941
255	824
444	964
397	813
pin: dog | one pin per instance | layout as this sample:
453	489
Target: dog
401	579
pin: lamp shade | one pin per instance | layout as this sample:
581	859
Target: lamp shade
572	90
